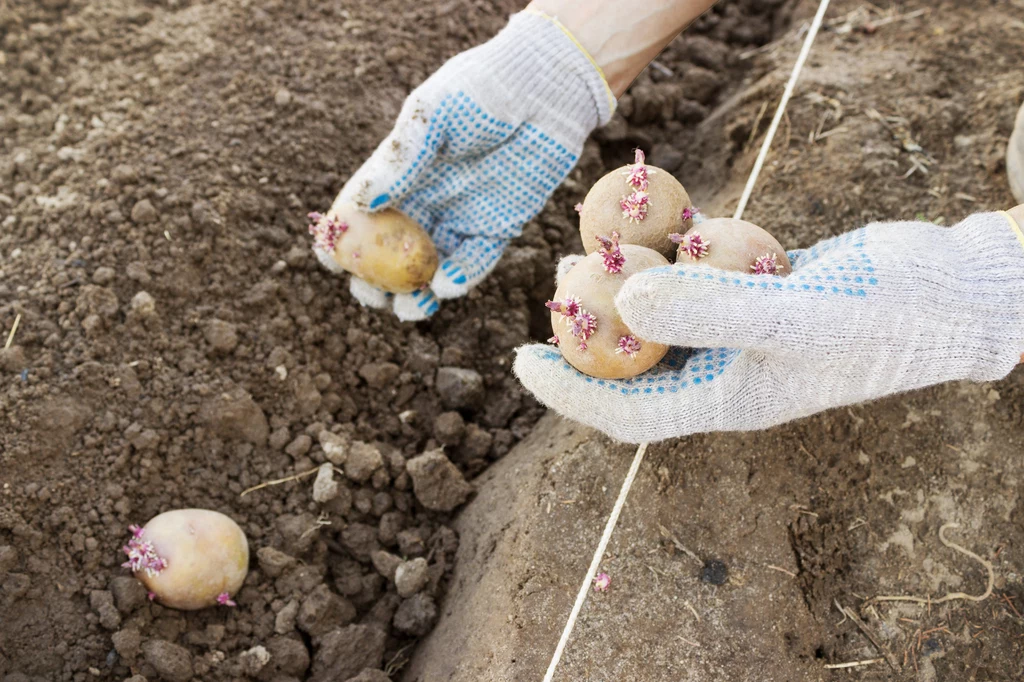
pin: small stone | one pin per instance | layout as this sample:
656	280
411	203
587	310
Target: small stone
437	483
334	446
274	562
253	660
386	563
282	97
127	642
143	304
300	446
323	610
284	622
345	652
103	276
411	577
221	335
449	427
124	174
459	387
416	616
129	593
325	488
363	459
715	572
171	662
143	212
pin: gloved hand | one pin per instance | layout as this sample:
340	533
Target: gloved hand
478	149
884	309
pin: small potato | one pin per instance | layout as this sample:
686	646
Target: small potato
587	327
189	558
643	203
387	249
736	245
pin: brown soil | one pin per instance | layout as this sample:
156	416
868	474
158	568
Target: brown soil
178	343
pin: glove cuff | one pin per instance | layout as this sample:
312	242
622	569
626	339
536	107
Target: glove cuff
546	76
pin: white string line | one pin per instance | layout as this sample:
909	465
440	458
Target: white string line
638	458
596	562
786	95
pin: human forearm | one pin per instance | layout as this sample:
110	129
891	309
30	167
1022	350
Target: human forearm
623	36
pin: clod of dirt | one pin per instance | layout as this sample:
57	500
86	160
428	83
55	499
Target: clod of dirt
363	459
127	643
129	593
459	388
273	562
143	212
234	415
416	615
102	603
379	374
222	336
411	577
143	305
360	540
323	610
171	662
253	660
449	427
714	572
13	359
386	563
345	652
437	483
325	488
8	558
288	656
284	622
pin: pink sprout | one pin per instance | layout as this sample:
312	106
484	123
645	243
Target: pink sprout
630	345
581	323
637	175
578	208
690	212
602	581
326	231
224	599
766	265
151	596
142	555
634	207
693	245
553	340
611	253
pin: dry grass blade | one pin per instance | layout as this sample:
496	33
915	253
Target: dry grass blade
10	337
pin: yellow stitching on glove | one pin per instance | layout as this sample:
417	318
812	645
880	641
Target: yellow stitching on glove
1015	226
561	26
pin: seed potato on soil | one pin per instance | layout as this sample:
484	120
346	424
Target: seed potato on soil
189	559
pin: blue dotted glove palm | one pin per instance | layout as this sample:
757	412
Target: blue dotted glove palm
884	309
478	149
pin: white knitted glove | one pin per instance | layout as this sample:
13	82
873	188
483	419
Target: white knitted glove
1015	158
884	309
479	148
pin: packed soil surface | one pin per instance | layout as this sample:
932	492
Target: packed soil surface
177	344
755	557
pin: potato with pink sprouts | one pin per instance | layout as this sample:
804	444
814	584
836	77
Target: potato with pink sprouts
643	203
387	249
730	244
189	559
587	327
